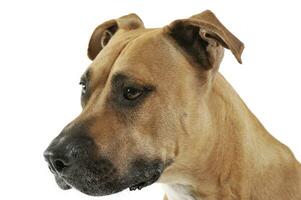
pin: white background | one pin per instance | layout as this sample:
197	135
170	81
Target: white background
43	53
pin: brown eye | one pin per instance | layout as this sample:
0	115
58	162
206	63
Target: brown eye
131	93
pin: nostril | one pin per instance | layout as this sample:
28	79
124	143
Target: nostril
56	162
59	165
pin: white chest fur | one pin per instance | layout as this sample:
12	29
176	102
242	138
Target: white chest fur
178	192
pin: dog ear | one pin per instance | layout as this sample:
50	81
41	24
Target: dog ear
104	32
202	36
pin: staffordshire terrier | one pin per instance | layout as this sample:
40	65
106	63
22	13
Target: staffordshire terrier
156	109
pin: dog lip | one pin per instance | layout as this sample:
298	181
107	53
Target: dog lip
51	169
55	172
62	183
148	181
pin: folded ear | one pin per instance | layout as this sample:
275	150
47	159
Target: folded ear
202	36
104	32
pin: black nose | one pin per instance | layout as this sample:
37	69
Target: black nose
56	163
67	150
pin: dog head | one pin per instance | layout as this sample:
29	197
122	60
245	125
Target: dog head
142	97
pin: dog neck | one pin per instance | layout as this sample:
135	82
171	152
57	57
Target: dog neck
235	157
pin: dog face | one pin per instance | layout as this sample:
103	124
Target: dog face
141	96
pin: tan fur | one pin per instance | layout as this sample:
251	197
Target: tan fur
195	118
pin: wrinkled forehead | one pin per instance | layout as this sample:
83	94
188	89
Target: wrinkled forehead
103	63
142	54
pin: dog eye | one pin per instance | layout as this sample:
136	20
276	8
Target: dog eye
84	86
131	93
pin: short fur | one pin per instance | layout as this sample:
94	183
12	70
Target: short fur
192	122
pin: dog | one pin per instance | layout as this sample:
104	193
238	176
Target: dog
156	109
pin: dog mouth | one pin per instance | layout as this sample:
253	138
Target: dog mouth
143	181
59	180
138	186
62	183
148	180
88	181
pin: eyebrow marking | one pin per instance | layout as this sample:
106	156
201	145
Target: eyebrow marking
118	78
